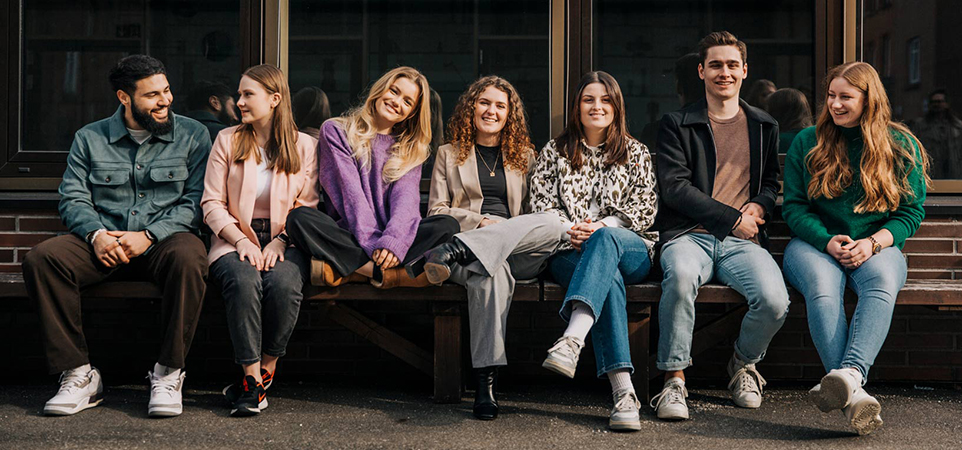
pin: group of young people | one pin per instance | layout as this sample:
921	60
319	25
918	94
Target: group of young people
593	209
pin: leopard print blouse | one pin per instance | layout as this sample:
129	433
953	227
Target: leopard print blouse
626	191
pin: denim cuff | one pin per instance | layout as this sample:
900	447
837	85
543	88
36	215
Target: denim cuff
623	365
674	365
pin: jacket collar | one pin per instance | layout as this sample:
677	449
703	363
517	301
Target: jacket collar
698	113
118	129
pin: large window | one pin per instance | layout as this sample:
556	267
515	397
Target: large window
68	47
640	41
341	46
920	68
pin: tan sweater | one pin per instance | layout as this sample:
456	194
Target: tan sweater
732	161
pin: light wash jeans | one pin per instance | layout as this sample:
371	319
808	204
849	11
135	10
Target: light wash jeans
822	280
693	259
610	259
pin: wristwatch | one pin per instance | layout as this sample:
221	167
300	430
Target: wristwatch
876	247
153	239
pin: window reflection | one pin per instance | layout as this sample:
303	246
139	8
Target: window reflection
919	59
69	46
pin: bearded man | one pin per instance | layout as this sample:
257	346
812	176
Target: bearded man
131	199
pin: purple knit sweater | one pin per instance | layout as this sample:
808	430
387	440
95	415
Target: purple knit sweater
379	215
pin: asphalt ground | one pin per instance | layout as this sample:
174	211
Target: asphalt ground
326	416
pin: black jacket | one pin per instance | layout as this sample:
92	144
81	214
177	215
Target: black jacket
685	164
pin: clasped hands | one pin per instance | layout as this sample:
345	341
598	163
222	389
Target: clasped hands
581	231
113	248
848	252
262	260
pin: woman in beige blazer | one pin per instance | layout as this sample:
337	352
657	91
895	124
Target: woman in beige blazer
257	173
480	179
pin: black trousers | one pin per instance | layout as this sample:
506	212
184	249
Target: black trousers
57	269
317	234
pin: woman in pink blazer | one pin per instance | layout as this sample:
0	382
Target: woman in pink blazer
258	172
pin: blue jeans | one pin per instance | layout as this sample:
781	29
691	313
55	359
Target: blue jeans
693	259
610	259
262	307
822	280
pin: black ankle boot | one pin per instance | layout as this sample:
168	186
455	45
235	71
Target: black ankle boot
437	262
485	405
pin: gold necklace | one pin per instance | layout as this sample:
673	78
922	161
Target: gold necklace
496	158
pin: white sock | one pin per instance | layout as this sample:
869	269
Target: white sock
857	374
161	370
581	320
620	380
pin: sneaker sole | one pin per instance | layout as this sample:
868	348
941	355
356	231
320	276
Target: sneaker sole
675	417
165	411
624	425
558	368
86	403
866	418
248	412
834	394
437	273
747	405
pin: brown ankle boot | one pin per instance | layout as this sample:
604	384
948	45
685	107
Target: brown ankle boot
398	277
324	274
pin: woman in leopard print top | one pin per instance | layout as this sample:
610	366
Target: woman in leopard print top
599	181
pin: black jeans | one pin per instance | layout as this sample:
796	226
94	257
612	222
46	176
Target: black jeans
318	235
262	307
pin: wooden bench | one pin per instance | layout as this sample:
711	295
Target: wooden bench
444	363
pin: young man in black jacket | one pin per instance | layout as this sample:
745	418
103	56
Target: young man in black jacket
717	168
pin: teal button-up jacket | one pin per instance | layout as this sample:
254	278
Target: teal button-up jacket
114	183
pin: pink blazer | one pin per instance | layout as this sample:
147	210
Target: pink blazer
230	188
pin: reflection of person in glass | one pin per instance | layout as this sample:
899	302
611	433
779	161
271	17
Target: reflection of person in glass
758	93
790	109
257	172
480	178
311	108
854	189
600	183
689	88
371	159
131	199
717	167
940	130
212	104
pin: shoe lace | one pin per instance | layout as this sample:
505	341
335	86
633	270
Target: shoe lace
568	346
673	393
71	380
748	379
626	401
163	385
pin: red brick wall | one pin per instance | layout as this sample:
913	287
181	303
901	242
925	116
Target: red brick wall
924	344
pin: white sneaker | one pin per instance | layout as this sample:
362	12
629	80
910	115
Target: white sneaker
670	403
624	416
563	356
836	389
746	384
79	389
166	399
863	412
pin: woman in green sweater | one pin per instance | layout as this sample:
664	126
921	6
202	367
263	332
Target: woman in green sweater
854	188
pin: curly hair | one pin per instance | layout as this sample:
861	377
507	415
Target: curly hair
516	146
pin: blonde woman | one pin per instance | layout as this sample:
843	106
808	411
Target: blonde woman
854	188
480	178
256	174
371	159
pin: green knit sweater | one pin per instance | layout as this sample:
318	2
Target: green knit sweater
816	221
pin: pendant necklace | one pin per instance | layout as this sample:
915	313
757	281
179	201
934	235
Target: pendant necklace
490	170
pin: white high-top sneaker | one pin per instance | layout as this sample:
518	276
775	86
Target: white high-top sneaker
863	412
563	356
166	399
80	388
836	389
670	403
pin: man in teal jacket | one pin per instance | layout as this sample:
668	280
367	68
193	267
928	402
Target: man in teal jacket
131	199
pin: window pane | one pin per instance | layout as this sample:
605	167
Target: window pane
342	46
920	68
639	41
70	46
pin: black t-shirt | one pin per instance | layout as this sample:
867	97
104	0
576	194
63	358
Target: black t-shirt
493	187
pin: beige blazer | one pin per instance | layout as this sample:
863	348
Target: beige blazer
230	189
456	190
